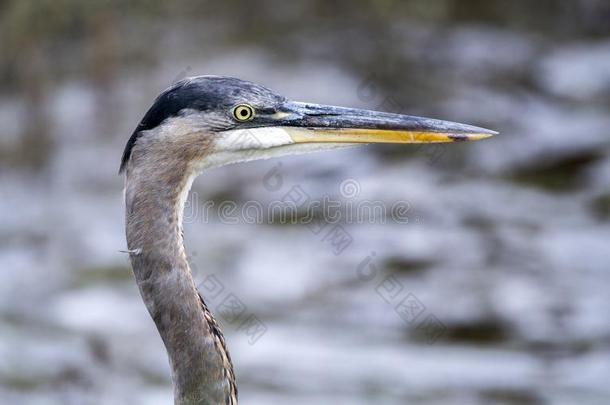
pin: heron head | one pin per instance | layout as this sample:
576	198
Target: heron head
212	120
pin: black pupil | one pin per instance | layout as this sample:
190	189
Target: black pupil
244	112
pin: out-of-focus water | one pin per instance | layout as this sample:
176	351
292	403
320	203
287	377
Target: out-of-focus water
503	262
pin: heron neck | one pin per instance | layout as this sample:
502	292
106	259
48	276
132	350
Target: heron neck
154	203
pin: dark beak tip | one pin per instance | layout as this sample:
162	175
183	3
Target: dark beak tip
472	133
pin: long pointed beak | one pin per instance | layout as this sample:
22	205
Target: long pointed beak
314	123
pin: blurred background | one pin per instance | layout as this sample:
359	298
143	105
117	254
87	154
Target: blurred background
503	264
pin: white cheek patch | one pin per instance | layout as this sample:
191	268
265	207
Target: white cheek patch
243	145
252	138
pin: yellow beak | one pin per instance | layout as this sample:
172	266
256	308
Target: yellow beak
359	135
314	123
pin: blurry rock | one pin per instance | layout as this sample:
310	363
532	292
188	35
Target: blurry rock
511	397
600	207
557	175
485	331
406	266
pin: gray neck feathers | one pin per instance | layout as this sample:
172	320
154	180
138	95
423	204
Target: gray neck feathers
154	197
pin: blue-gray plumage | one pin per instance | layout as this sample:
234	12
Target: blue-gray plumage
210	121
202	94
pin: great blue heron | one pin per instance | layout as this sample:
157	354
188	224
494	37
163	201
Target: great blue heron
210	121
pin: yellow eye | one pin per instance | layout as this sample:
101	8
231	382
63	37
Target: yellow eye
243	112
